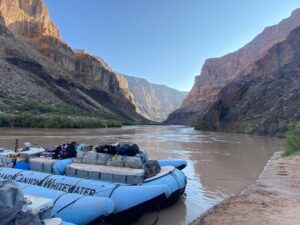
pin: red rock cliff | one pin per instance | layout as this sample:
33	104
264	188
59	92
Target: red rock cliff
217	72
29	21
28	18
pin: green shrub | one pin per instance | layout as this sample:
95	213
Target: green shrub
24	105
27	119
292	143
4	122
16	112
58	122
63	122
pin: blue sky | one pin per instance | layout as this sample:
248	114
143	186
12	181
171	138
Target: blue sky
164	41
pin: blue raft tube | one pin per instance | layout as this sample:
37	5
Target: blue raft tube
179	164
130	201
73	208
175	176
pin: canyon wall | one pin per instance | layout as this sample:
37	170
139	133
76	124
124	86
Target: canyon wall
95	86
266	103
218	72
154	101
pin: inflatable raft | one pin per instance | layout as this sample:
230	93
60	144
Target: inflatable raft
134	183
71	207
130	201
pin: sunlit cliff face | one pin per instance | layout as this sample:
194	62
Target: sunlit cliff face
28	18
218	72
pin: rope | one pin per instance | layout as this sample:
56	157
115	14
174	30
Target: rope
104	190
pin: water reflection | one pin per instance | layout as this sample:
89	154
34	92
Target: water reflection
211	158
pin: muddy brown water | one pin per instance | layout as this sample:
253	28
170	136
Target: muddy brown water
219	164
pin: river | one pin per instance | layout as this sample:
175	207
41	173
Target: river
219	164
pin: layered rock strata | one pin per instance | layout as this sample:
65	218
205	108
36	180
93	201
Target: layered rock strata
219	72
74	77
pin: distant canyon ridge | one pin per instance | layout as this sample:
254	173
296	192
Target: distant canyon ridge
38	68
154	101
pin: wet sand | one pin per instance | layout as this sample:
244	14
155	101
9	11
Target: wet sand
274	199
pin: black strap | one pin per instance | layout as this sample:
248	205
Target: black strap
58	211
175	177
157	215
59	197
111	193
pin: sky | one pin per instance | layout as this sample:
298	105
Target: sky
164	41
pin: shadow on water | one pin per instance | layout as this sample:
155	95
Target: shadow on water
211	158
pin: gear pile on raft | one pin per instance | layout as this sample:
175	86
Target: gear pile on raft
116	182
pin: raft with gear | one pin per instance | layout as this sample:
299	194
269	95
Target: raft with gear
117	188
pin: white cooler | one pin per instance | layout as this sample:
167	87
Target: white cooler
39	206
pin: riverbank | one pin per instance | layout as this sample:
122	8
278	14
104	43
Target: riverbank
20	113
273	199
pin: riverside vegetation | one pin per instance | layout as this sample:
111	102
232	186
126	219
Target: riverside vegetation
28	113
293	141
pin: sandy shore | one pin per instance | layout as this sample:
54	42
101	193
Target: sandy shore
274	199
